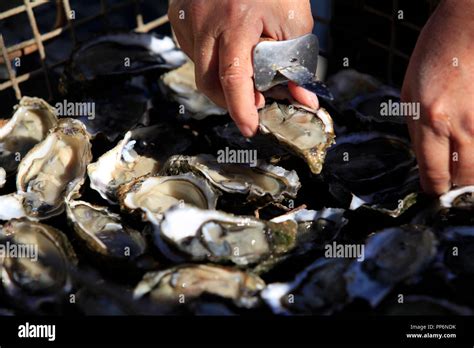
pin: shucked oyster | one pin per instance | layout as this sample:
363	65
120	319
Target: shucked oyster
141	152
103	233
180	85
306	132
29	125
374	170
49	173
261	183
220	237
153	195
391	256
459	198
41	273
185	283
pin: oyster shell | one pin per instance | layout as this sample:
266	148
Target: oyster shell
180	86
123	54
373	170
216	236
49	173
141	152
185	283
459	198
319	288
305	132
104	235
154	195
3	177
261	183
44	277
29	125
391	256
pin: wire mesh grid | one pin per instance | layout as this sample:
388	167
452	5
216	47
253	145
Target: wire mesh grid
65	22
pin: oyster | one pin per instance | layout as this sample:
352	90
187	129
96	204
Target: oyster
104	235
123	54
459	198
141	152
305	132
154	195
261	183
391	256
3	177
186	283
43	276
220	237
180	85
319	288
28	126
49	173
374	170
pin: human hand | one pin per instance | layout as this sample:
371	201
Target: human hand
219	36
440	77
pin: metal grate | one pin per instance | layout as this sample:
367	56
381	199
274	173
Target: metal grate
374	38
65	23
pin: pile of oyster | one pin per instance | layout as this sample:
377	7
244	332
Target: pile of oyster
155	204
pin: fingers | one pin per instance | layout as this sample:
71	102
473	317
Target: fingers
236	77
303	96
433	154
206	62
463	156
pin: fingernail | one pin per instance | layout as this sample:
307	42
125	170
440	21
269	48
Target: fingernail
314	101
247	131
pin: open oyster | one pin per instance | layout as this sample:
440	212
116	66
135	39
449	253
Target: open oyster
41	274
153	195
320	288
49	173
305	132
374	170
390	256
216	236
29	125
104	235
261	183
180	85
185	283
459	198
141	152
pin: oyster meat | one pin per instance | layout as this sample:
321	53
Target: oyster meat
216	236
374	170
29	125
49	173
154	195
180	86
391	256
141	152
185	283
44	275
104	235
305	132
261	183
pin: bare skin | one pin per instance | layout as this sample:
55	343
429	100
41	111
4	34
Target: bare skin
219	36
440	77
